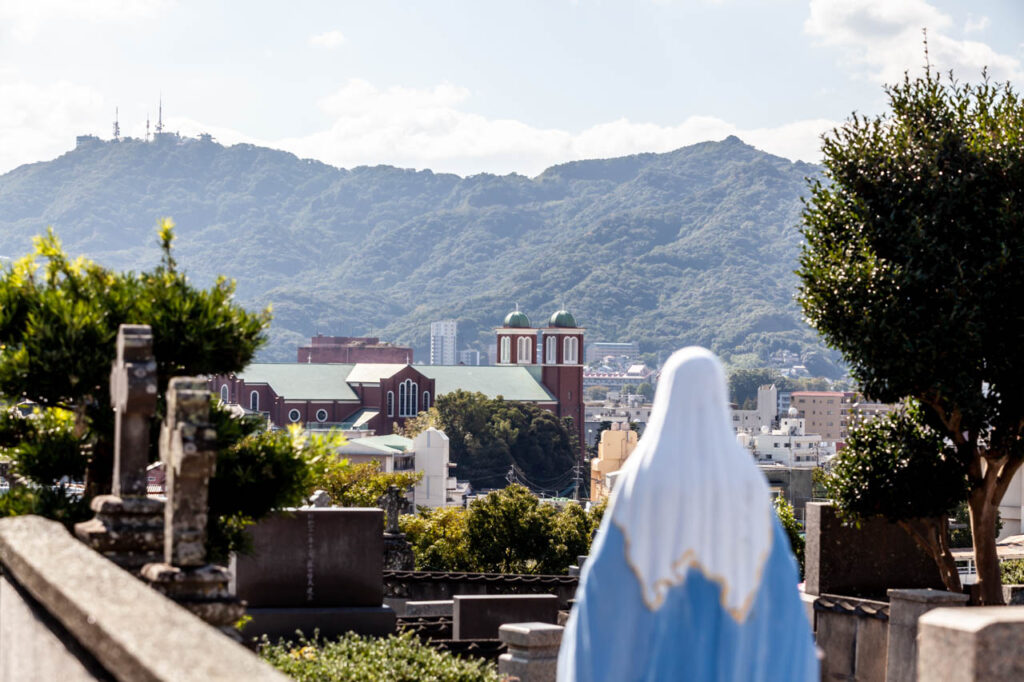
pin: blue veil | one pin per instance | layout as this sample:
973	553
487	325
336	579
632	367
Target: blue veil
690	576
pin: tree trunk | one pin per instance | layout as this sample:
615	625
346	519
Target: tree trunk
988	591
932	535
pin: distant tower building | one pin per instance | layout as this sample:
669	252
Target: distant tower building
117	126
469	356
443	342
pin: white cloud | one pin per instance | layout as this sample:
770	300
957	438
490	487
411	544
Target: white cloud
407	127
24	19
882	39
431	128
40	122
975	24
328	40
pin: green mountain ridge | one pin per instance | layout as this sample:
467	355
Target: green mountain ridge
697	245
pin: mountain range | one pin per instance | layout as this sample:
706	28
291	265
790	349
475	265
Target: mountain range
694	246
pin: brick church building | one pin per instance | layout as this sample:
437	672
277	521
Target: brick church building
538	365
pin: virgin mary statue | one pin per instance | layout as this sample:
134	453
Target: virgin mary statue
690	576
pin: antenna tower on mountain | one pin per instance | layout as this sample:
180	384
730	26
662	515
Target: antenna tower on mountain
147	126
160	116
117	126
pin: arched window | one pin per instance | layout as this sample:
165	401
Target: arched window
224	393
523	349
391	403
426	400
254	401
550	358
408	398
506	350
570	350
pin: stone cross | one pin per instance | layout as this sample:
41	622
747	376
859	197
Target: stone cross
133	397
391	502
188	451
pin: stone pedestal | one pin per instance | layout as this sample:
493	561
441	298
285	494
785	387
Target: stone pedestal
202	590
129	531
532	651
977	644
905	607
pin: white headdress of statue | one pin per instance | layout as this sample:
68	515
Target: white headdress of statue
689	498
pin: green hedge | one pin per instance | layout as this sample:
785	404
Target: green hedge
398	658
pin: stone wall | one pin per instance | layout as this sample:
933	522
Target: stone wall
441	585
852	635
67	613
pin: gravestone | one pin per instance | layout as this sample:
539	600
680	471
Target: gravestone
905	608
314	568
128	526
479	616
187	448
398	555
976	644
864	561
532	651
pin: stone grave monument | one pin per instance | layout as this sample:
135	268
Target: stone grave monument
187	448
128	527
314	568
398	554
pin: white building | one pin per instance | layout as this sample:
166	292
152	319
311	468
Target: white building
443	342
788	445
437	488
764	414
469	356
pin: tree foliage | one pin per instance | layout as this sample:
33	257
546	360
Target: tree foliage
507	531
58	330
488	437
913	259
794	531
897	467
361	485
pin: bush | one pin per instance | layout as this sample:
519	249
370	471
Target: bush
353	658
1012	572
784	510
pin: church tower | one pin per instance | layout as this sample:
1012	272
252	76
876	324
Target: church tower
516	339
562	372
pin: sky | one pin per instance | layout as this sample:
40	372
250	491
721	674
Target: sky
468	86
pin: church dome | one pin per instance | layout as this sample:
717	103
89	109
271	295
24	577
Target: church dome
517	319
562	318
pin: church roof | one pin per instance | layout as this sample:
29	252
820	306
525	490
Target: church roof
302	380
562	318
312	381
512	383
517	319
372	372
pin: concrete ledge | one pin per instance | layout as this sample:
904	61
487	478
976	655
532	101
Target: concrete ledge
131	630
979	644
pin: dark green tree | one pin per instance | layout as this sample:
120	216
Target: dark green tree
897	467
58	329
489	437
912	268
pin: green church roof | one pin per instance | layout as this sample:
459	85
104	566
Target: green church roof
562	318
517	319
302	380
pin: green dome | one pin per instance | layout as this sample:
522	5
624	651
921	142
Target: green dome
517	319
562	318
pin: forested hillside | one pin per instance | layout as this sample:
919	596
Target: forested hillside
693	246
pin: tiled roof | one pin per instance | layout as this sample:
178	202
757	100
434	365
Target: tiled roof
512	383
302	381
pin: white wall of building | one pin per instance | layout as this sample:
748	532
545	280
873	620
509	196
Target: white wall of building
430	452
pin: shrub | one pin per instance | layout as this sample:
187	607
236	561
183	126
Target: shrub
353	658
